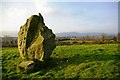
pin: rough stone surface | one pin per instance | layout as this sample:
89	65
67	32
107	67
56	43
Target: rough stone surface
27	66
35	40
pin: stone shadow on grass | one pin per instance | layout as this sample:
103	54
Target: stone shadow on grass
53	62
49	63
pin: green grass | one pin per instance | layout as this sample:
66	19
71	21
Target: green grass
75	61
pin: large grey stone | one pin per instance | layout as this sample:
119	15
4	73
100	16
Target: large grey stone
35	40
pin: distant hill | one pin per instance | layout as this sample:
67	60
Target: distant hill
77	34
64	34
9	33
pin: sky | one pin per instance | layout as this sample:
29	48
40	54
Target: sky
62	16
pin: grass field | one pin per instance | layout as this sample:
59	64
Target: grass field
75	61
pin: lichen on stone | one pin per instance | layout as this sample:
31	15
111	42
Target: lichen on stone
35	40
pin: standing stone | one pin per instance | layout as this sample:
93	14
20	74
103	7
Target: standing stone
35	40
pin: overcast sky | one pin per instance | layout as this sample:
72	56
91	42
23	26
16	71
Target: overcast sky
72	16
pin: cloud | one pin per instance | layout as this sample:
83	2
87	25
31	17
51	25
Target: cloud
15	13
43	7
62	0
13	18
58	17
11	12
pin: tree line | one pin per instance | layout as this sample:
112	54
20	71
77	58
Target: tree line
101	39
8	41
